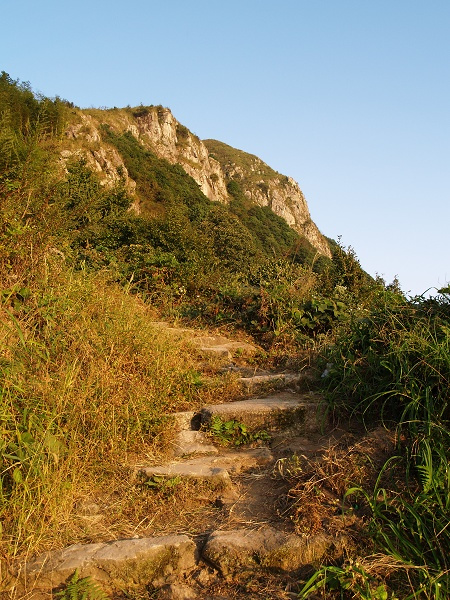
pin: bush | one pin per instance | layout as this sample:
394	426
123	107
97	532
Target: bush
393	366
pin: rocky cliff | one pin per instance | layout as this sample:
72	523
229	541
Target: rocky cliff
210	163
265	187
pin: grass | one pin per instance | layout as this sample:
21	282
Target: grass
87	382
393	367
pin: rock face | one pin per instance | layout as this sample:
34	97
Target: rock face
174	142
210	163
101	158
265	187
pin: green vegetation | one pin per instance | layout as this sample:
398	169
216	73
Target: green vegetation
87	381
254	168
81	588
234	433
393	366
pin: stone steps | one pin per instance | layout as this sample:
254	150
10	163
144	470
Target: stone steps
254	537
168	562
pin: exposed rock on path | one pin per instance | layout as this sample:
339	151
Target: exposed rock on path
119	564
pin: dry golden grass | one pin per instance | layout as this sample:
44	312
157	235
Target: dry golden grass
88	384
316	499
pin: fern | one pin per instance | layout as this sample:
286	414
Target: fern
81	589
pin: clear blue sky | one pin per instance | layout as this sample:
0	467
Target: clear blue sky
349	97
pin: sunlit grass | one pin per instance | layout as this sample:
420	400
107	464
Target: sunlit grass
87	384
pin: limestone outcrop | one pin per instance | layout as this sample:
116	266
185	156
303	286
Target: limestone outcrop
210	163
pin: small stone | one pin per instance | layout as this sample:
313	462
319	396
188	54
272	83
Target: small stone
177	592
87	508
192	442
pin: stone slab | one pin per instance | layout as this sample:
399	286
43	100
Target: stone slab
279	411
213	468
219	351
277	379
116	564
248	550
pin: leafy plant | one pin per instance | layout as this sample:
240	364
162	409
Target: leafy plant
234	433
81	588
351	578
161	483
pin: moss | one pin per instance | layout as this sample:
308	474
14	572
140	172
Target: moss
142	572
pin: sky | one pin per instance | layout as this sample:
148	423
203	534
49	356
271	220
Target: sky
351	98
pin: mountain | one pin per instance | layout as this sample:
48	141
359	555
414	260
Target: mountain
224	174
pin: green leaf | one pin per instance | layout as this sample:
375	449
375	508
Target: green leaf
17	476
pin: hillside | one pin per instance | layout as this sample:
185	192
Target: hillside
134	310
262	186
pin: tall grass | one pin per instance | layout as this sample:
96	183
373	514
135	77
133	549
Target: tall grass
86	382
393	366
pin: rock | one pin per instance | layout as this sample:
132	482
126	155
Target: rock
117	564
220	351
192	442
186	420
245	550
211	468
177	592
277	379
282	410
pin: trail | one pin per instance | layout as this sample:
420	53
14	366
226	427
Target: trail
247	536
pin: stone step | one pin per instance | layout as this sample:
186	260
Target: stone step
224	348
192	442
237	551
217	345
117	565
216	469
283	410
278	380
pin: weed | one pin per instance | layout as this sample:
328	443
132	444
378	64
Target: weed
163	484
234	433
83	588
350	578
